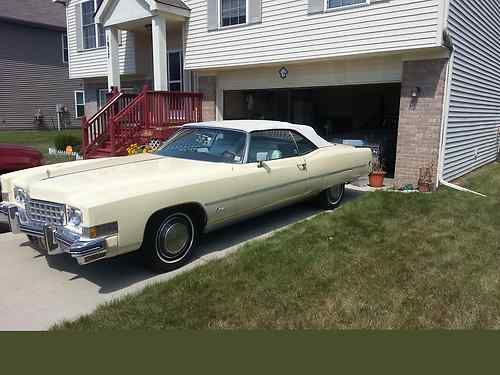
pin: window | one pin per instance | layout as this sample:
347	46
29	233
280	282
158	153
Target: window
271	145
304	145
93	34
233	12
175	70
64	41
80	103
206	144
335	4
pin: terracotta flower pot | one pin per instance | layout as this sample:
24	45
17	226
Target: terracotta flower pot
424	187
376	179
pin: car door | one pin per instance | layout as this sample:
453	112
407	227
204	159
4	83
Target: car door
274	174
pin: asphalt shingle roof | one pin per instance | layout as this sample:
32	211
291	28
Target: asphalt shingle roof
41	12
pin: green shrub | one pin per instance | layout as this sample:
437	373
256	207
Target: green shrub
63	140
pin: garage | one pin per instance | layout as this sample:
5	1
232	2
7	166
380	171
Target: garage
367	113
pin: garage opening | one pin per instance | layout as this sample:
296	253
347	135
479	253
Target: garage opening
367	113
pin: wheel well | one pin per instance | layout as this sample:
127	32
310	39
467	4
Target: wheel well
193	209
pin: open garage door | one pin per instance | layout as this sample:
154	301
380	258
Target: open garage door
368	113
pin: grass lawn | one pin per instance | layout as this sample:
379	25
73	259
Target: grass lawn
386	260
41	140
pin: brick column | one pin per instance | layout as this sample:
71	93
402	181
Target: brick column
419	126
207	86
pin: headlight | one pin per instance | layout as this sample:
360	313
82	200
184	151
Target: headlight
74	216
19	195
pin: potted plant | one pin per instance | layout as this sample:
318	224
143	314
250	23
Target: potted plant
377	174
425	180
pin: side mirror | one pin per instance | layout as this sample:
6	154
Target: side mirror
263	164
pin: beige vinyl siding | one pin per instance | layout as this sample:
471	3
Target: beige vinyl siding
93	63
474	105
288	33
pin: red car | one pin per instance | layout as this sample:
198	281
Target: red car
17	157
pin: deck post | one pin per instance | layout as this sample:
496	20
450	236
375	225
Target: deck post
112	36
85	135
160	66
146	115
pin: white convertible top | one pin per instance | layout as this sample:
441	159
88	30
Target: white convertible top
254	125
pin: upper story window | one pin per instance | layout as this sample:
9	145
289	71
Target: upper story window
93	34
64	42
233	12
335	4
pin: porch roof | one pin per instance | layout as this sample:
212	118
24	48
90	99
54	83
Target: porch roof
153	7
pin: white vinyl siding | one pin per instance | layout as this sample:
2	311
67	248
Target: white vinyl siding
93	62
287	32
474	104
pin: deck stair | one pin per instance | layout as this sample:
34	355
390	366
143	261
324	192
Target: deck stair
137	118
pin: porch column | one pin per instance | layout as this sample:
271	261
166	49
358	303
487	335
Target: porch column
160	67
113	59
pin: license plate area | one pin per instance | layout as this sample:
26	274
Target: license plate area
50	241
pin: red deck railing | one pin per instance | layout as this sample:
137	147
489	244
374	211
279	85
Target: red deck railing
128	119
153	114
95	130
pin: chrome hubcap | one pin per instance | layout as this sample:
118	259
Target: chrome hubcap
335	194
174	238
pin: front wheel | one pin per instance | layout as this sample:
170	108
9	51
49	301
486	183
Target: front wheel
330	198
169	241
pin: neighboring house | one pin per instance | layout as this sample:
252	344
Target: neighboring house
418	78
35	89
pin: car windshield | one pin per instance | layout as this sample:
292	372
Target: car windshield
206	144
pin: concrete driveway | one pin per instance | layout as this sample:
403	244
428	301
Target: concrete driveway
37	291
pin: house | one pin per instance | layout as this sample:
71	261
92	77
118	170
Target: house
35	89
417	79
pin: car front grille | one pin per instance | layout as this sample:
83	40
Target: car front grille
45	212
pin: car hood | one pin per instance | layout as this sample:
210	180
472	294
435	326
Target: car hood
91	182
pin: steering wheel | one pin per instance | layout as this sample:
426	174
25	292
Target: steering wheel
228	155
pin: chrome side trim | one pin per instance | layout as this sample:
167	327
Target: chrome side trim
4	213
14	219
282	185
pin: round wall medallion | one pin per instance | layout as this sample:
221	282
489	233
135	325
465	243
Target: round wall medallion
283	72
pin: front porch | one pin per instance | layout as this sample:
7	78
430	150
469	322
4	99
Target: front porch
159	33
136	116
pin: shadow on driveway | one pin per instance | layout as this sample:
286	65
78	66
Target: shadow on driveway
117	273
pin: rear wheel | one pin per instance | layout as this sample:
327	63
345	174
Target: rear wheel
169	241
330	198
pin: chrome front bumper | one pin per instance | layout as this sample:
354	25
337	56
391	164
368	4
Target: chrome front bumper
57	240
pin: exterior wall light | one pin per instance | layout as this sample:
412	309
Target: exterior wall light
416	92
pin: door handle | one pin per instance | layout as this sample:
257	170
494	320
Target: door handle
302	166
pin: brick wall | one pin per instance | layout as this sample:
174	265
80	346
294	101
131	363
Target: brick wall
419	127
207	86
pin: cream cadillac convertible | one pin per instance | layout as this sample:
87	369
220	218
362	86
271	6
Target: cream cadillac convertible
206	176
